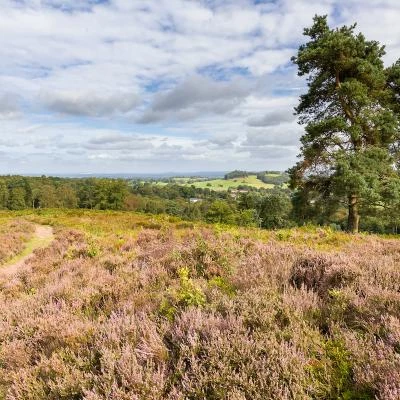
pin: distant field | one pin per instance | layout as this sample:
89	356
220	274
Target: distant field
273	175
222	184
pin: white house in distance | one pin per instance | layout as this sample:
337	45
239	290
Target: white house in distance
195	200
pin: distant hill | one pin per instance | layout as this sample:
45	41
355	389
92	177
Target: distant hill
233	180
140	175
238	174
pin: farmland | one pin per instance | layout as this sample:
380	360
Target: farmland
222	184
225	184
123	305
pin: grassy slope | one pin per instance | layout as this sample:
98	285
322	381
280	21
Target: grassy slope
102	223
225	184
222	184
125	305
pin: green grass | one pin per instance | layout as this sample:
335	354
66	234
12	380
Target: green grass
219	184
225	184
97	223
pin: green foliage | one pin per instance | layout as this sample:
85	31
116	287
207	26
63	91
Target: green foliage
236	174
315	203
16	199
93	249
110	194
47	196
220	212
334	374
248	217
393	79
186	295
67	197
3	195
234	207
222	284
274	178
275	211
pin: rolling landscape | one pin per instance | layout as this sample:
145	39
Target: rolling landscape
222	184
266	266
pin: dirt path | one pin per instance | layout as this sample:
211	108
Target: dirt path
42	237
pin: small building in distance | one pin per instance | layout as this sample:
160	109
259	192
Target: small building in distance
195	200
235	192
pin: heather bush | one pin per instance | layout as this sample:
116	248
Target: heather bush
113	309
13	236
322	273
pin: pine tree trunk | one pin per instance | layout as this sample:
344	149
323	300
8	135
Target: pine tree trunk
353	218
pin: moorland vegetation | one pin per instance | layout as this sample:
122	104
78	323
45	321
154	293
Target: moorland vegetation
128	306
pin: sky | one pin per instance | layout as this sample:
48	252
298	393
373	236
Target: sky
150	86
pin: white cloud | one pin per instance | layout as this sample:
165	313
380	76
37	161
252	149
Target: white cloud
272	118
195	97
9	106
90	103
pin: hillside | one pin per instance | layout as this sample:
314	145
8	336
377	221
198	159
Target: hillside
234	180
128	306
225	184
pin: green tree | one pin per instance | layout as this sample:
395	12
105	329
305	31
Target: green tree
352	132
193	211
275	210
16	199
220	211
250	200
393	81
247	217
67	197
110	194
47	196
87	193
3	195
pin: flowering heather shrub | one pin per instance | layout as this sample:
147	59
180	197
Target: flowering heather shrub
109	311
322	273
13	236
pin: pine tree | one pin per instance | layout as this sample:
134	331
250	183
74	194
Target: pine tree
351	141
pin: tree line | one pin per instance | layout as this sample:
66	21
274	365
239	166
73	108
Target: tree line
265	208
269	209
18	193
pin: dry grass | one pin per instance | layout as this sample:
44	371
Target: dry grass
122	306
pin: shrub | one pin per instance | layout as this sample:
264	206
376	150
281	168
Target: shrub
13	237
322	273
187	294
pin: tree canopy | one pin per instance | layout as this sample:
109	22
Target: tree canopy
350	149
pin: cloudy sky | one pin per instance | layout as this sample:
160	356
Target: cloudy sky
101	86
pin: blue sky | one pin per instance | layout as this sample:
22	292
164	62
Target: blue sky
164	85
